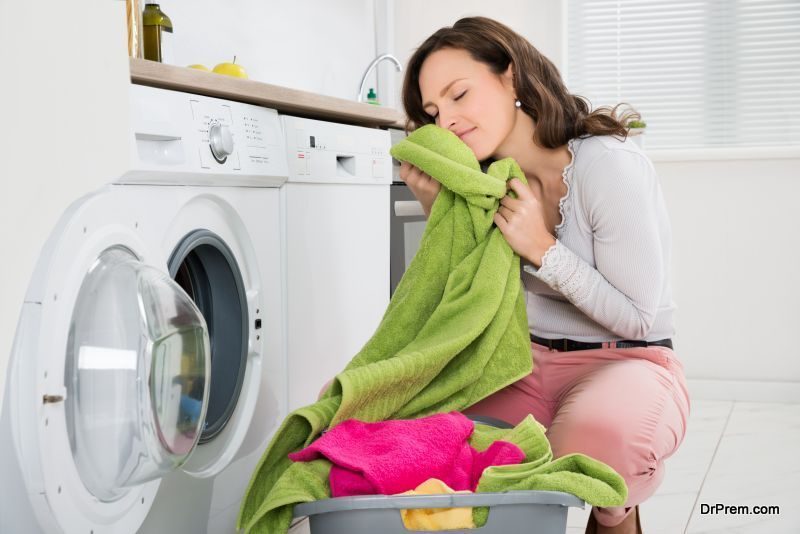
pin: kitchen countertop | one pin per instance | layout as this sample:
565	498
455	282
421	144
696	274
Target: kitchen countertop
283	99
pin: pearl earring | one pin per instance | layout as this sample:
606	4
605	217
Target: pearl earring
517	103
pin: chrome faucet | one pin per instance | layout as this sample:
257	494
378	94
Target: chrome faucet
372	66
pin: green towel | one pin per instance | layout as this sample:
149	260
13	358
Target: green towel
591	480
455	331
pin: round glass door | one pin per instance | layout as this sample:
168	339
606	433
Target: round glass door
137	375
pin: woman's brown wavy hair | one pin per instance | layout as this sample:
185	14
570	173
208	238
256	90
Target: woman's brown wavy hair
559	115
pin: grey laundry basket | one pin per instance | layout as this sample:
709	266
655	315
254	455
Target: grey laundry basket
512	512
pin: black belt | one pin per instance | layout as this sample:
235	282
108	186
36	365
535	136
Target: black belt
570	344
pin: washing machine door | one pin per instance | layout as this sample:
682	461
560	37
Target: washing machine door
108	383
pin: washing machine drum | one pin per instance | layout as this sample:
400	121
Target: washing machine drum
206	269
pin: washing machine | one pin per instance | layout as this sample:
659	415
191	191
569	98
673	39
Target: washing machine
337	246
148	368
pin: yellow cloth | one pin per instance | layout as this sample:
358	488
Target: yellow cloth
436	518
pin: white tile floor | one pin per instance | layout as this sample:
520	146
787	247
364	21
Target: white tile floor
735	454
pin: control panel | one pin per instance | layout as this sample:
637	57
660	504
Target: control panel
326	152
192	139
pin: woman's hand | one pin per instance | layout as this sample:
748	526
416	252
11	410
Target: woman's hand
521	221
422	185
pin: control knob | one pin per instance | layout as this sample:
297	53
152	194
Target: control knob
220	140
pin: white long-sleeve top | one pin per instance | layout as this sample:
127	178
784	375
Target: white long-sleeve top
607	277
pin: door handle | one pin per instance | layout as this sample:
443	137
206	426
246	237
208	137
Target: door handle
408	208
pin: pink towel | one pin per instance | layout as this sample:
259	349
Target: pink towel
390	457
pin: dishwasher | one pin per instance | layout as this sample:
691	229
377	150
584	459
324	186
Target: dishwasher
335	247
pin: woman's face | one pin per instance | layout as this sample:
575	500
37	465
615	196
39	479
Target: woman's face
466	98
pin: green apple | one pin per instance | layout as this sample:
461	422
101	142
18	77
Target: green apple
231	69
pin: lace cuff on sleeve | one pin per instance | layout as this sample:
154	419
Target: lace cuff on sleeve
565	272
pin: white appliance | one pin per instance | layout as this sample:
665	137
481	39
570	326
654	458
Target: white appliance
148	368
337	247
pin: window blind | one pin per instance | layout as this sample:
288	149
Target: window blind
702	73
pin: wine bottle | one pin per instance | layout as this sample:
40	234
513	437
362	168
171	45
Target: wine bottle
157	30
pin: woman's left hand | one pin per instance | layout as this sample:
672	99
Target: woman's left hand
521	221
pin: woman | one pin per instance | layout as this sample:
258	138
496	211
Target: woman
592	231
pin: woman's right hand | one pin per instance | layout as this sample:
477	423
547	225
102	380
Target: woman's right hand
422	185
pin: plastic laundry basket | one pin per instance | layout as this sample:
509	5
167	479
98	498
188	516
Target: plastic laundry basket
512	512
528	512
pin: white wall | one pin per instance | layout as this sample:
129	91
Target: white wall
736	252
322	47
64	101
735	223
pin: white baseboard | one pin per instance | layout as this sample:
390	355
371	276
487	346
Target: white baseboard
744	390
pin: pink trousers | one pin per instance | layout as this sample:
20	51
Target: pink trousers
625	407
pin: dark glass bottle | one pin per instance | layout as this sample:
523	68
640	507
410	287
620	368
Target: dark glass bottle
154	24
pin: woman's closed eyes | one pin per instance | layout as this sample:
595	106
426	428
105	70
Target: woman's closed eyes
456	98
